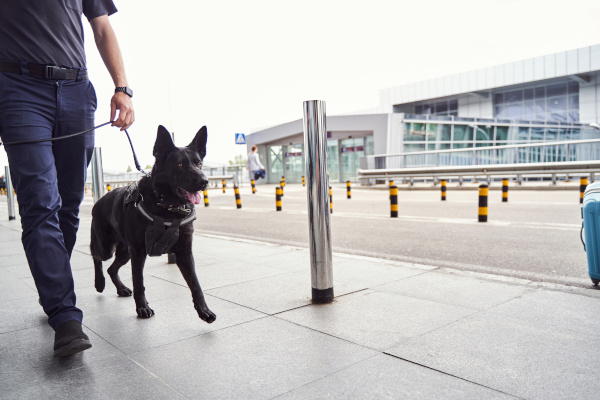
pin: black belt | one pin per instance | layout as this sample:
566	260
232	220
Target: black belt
45	71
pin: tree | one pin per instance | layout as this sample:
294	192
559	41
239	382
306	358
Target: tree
238	160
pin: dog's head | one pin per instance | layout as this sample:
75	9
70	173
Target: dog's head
177	173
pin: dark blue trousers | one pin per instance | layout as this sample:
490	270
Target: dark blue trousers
48	177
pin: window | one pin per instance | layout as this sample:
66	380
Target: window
558	102
449	107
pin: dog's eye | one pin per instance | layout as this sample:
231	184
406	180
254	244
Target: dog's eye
199	165
180	165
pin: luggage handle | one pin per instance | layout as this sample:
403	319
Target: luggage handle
581	237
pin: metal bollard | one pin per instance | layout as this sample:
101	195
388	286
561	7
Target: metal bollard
205	193
281	185
394	201
224	185
303	183
238	199
9	193
278	194
504	190
97	174
315	146
443	190
349	189
330	201
583	182
253	183
483	203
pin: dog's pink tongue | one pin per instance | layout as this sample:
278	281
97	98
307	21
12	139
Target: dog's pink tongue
195	198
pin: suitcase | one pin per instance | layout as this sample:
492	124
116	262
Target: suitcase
590	228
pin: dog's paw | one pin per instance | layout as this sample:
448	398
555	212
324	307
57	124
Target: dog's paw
207	315
124	292
99	284
145	312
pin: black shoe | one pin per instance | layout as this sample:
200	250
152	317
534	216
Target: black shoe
70	339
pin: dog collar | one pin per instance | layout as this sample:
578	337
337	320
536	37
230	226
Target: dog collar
181	209
150	218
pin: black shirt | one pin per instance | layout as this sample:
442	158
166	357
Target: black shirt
47	31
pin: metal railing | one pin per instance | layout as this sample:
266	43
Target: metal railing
546	152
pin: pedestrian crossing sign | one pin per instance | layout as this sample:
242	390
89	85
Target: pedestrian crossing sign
240	138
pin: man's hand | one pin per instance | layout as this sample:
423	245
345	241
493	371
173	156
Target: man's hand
120	101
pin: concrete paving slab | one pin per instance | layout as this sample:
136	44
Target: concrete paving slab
176	319
21	314
27	356
461	291
113	378
511	356
278	293
552	309
257	360
369	274
12	288
216	275
15	259
375	319
386	377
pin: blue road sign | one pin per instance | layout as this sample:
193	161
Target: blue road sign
240	138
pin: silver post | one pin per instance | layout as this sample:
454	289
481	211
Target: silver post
317	182
97	174
9	195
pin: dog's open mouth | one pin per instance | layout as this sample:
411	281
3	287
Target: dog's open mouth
195	198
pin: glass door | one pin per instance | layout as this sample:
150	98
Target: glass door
351	150
333	165
275	164
294	165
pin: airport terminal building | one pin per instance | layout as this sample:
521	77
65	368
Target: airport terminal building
544	99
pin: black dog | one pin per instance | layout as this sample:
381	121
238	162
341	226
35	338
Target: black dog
152	217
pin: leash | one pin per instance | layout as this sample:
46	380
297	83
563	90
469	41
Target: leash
135	160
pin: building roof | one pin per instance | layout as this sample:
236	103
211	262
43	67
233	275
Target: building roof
575	63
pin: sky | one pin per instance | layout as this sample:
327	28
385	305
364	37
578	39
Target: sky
240	66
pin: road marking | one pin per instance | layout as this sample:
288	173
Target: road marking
443	220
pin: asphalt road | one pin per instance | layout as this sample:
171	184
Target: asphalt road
534	236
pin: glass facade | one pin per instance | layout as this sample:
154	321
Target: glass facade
557	102
449	107
426	132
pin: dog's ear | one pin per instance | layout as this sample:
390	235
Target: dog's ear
164	144
199	142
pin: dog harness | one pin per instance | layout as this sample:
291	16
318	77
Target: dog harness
161	234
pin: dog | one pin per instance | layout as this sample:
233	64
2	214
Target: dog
151	217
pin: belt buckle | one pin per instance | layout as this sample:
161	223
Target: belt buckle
54	72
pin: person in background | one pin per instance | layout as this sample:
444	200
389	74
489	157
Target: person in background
45	93
257	170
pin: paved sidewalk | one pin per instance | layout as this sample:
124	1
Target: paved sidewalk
396	331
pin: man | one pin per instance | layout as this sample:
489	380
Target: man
45	93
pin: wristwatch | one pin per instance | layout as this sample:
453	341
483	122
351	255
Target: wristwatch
125	90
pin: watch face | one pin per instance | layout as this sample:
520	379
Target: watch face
125	90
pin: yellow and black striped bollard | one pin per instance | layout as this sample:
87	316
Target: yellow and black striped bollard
349	189
205	197
281	185
504	190
238	199
282	181
483	203
443	190
224	184
583	182
390	186
108	188
303	183
394	201
278	194
253	186
330	200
